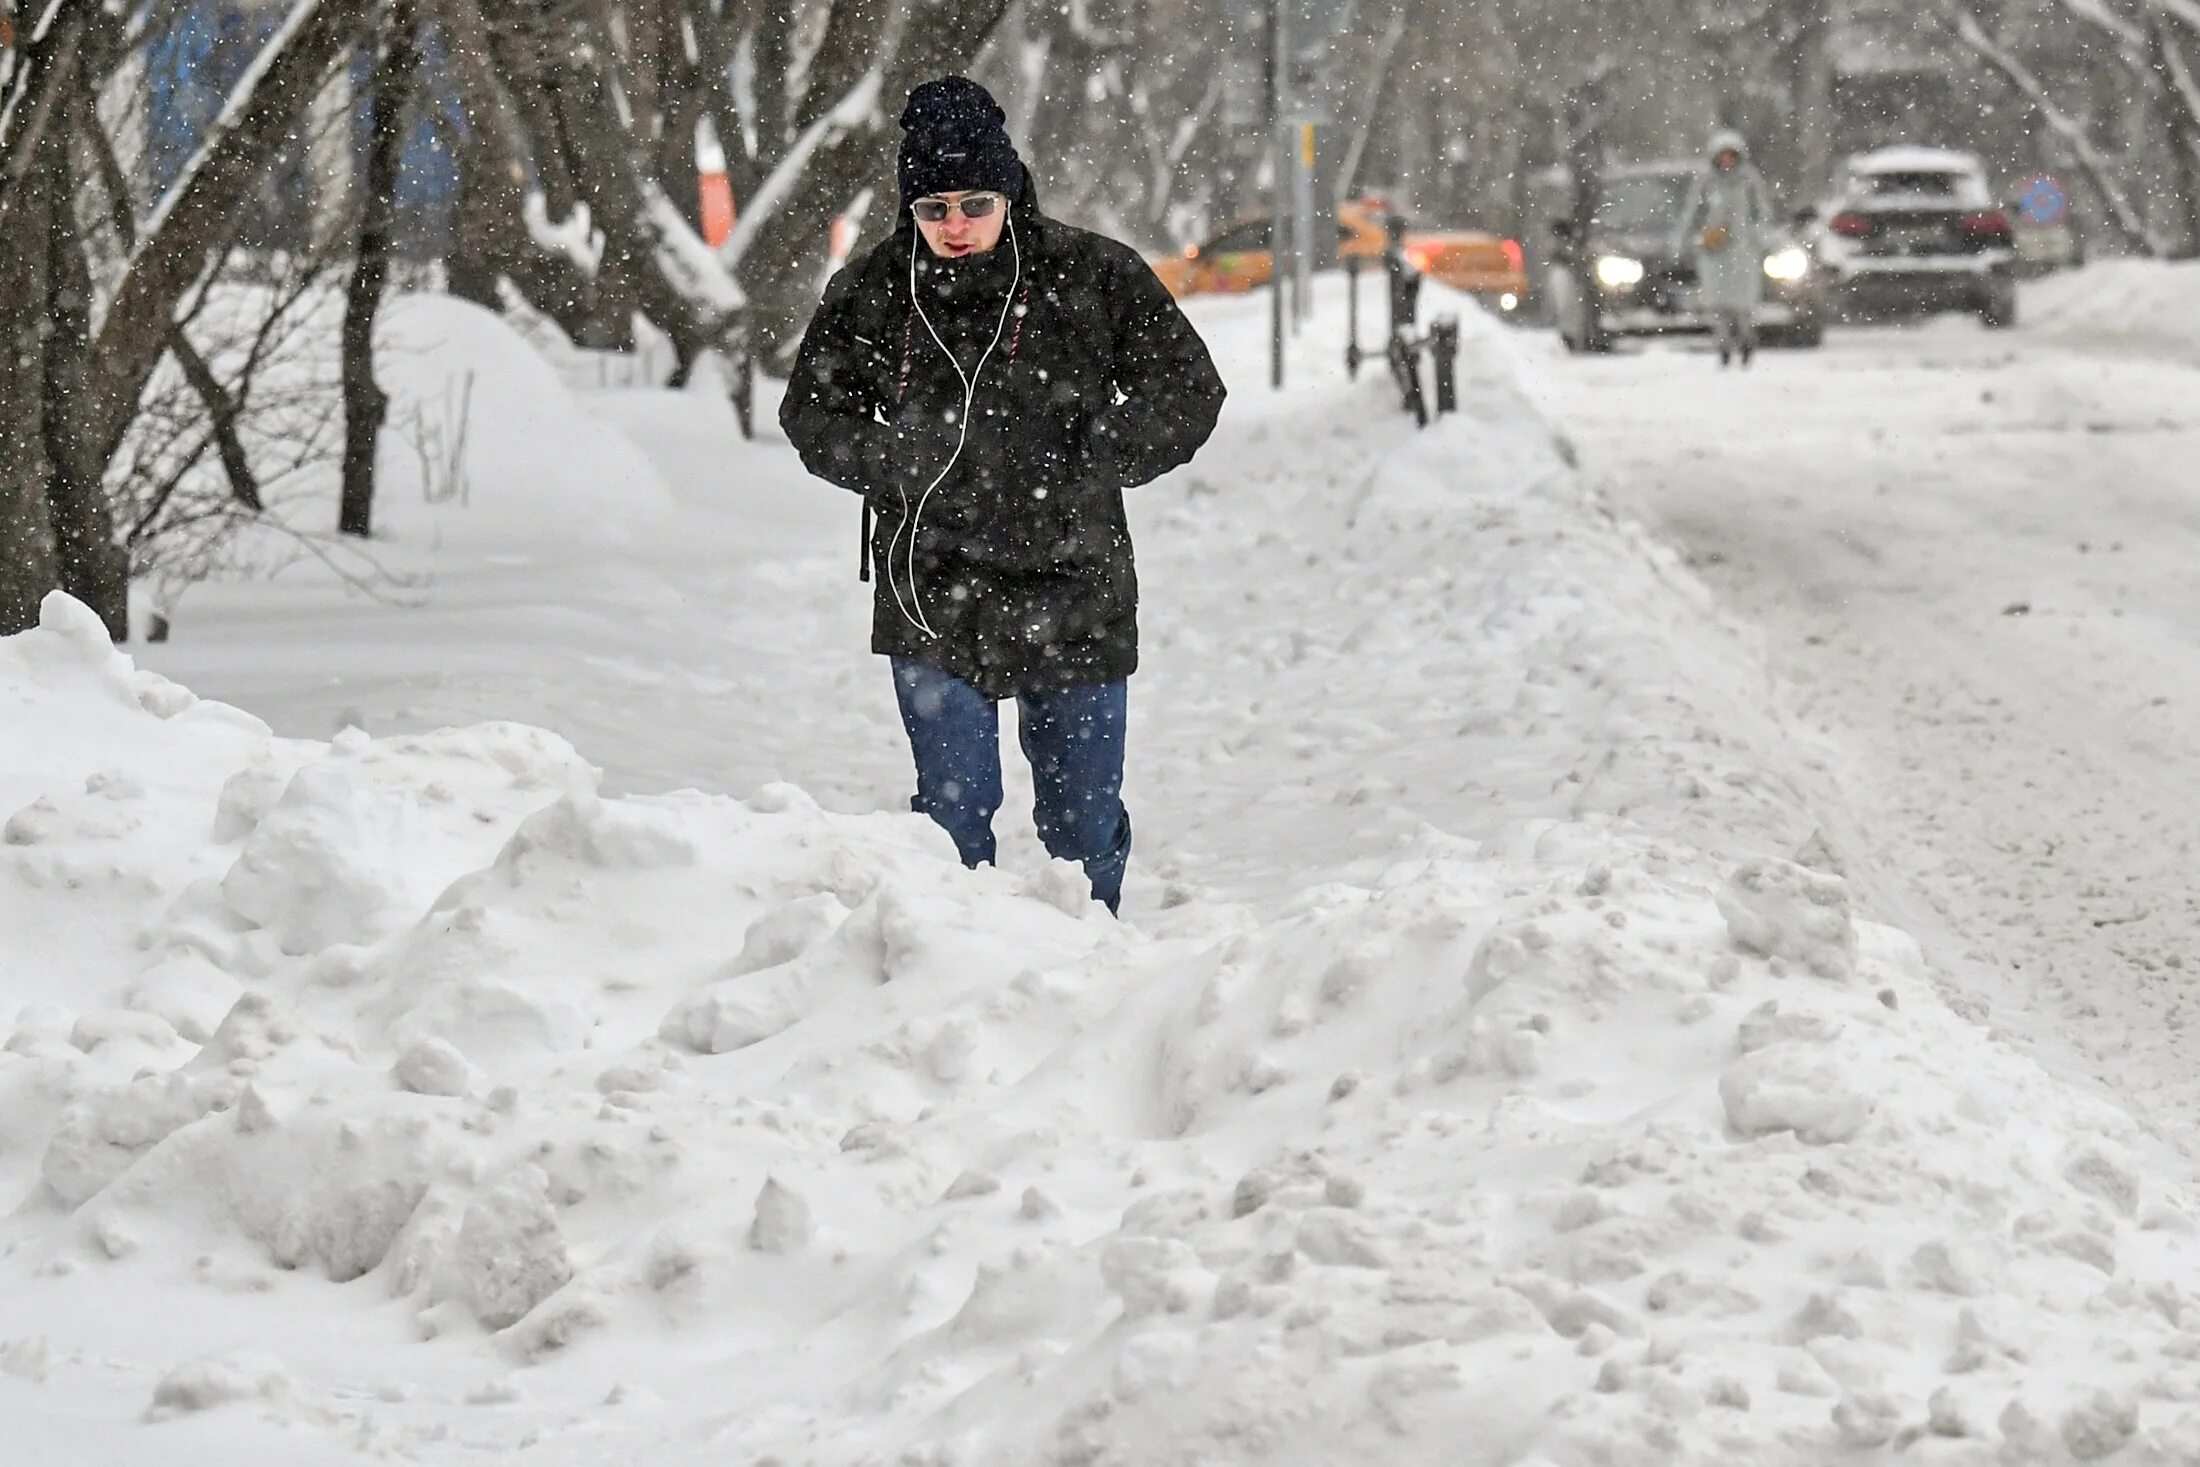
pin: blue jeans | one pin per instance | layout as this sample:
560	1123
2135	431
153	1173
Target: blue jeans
1074	740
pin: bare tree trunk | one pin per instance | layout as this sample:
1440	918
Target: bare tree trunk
515	47
618	191
1810	74
93	568
222	411
768	55
2180	99
483	207
716	38
659	90
365	403
225	415
493	238
647	42
29	567
560	95
1165	157
45	75
679	170
1062	111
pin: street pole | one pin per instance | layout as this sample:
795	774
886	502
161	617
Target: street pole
1279	165
1303	257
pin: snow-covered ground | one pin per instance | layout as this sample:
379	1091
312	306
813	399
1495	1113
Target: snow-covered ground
2123	304
1972	555
1495	1063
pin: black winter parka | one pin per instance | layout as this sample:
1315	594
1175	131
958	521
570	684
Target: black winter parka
1002	554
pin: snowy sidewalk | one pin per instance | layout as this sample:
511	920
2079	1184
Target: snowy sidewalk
1477	1080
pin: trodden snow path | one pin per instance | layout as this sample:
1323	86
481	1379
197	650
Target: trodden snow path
1494	1067
1973	556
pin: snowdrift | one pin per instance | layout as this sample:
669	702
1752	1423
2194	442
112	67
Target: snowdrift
2149	302
485	450
503	452
412	1095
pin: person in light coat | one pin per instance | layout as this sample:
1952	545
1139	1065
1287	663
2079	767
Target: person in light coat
1726	227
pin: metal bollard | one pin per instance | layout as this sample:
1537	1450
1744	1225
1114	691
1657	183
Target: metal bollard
1404	280
1444	345
1352	317
1405	365
1405	293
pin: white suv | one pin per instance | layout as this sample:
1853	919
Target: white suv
1918	229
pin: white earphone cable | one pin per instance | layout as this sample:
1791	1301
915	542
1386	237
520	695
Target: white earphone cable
912	522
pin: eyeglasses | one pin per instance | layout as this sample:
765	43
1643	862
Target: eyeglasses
973	206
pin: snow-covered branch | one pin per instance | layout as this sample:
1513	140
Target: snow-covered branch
1090	33
2187	88
13	59
200	213
2185	11
854	110
1188	129
2139	45
685	260
221	133
1731	18
2097	13
1958	16
573	238
1165	156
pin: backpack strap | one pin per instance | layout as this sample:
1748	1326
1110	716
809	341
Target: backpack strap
908	339
1023	314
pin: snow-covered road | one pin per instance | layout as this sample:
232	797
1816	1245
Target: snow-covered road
1972	555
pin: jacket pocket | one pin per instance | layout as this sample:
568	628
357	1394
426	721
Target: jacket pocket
1019	618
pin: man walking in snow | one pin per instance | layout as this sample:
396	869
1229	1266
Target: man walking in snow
990	381
1724	228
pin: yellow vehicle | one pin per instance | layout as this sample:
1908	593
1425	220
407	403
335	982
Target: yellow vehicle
1241	258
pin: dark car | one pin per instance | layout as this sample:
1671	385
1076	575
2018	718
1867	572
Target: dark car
1917	230
1642	283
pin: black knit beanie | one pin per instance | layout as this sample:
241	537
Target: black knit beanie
954	137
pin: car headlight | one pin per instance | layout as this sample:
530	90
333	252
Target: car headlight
1617	272
1788	265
